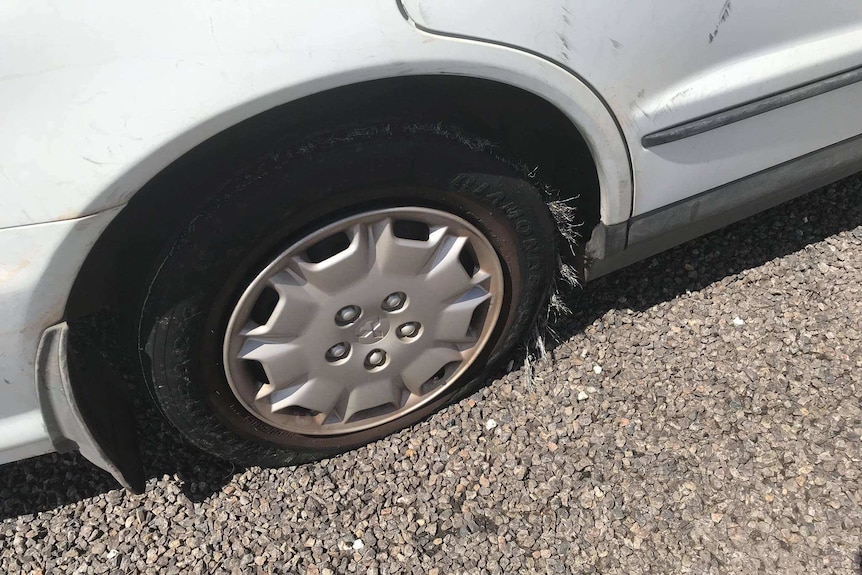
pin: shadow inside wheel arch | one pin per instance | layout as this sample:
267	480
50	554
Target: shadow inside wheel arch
52	481
521	124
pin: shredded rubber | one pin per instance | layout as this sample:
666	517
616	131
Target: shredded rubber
568	223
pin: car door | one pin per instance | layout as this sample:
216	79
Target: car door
668	68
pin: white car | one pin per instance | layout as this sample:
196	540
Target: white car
315	223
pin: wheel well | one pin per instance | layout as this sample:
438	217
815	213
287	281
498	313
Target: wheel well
526	126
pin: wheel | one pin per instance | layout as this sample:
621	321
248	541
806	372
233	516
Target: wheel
343	289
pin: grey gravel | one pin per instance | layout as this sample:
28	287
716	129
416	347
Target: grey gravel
701	415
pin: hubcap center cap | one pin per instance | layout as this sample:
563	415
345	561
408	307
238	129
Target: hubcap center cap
372	330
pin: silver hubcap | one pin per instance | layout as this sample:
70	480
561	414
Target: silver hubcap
363	321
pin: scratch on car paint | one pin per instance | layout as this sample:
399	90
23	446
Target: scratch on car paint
93	161
213	34
564	53
678	95
722	18
566	14
616	44
642	111
564	41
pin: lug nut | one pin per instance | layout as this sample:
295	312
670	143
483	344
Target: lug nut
394	301
347	315
375	359
408	330
337	352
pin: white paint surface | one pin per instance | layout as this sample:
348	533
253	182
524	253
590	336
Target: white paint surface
659	63
38	264
109	93
23	435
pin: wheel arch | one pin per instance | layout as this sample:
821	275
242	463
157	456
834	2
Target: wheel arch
527	125
112	278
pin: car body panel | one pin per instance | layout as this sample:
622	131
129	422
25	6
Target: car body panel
38	264
24	435
659	63
114	92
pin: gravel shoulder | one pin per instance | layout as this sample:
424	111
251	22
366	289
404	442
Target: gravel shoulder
701	414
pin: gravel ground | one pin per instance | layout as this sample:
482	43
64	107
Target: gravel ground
702	415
